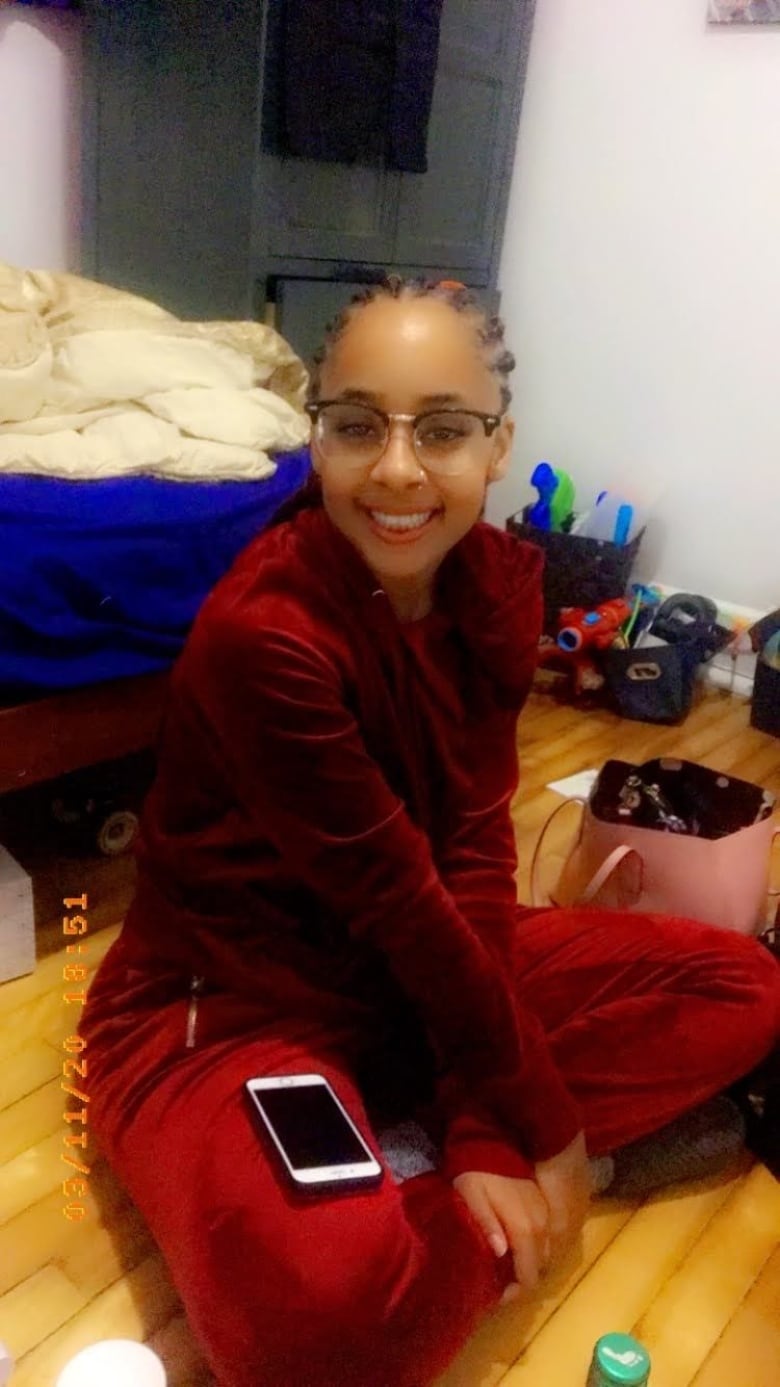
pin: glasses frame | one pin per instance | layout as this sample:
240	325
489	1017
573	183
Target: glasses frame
490	422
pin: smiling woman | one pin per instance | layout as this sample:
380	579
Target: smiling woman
326	887
409	401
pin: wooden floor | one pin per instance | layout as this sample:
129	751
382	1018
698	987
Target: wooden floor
695	1273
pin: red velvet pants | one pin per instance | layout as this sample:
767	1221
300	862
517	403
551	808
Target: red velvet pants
646	1017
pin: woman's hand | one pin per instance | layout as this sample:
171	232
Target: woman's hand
513	1215
566	1185
537	1220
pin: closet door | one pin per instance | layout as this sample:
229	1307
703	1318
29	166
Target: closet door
310	209
454	213
305	306
172	95
319	211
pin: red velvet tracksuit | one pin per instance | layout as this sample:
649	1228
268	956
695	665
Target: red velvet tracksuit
326	884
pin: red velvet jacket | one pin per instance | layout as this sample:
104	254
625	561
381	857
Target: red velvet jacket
329	827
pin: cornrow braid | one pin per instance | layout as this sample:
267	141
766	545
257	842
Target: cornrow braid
489	328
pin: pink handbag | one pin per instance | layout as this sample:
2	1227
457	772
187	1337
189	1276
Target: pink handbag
721	880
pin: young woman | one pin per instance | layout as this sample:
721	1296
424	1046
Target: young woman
326	884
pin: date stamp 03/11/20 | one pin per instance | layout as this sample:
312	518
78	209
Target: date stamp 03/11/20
74	1065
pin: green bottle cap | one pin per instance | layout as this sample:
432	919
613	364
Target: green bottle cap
620	1359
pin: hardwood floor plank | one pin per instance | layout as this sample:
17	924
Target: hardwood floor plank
41	1233
627	1277
26	1070
498	1342
685	1320
30	1120
748	1351
19	992
36	1308
31	1175
133	1307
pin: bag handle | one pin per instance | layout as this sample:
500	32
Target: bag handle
775	836
606	870
574	799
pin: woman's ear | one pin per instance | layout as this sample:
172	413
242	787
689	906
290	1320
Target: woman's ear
502	452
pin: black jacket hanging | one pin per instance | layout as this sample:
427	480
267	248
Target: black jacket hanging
357	79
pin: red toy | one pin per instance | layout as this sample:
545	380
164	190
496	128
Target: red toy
578	628
581	630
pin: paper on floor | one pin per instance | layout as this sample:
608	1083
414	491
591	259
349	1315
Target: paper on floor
576	786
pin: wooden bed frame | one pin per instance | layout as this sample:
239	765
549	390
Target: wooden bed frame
64	732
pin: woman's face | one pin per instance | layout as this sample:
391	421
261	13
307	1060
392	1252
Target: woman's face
403	355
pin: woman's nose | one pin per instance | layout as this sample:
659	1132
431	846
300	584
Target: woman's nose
399	464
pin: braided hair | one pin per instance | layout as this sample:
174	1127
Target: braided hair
489	328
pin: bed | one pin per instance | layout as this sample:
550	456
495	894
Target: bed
100	582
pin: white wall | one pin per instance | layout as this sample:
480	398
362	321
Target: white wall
40	80
641	280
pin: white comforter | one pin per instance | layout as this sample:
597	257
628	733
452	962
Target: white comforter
95	383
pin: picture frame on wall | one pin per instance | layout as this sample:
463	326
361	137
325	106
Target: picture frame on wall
744	11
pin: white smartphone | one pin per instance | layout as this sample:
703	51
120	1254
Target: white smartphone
319	1144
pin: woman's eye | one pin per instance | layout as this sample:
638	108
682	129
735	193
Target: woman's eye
357	430
442	435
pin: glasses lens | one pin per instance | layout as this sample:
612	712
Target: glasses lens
449	441
352	434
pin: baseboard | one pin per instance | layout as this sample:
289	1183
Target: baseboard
721	677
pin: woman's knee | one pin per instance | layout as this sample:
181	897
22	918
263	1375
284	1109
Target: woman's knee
743	974
332	1290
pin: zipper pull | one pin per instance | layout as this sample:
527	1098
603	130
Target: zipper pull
196	987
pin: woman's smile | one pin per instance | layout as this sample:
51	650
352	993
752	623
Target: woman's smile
400	526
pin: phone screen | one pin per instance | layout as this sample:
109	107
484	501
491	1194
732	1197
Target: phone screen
310	1126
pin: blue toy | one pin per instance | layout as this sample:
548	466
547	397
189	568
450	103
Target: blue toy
556	497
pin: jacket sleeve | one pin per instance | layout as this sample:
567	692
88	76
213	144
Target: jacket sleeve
296	759
477	865
477	859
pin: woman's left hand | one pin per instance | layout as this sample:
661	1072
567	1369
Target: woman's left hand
566	1185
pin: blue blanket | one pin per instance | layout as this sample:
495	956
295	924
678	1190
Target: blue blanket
100	580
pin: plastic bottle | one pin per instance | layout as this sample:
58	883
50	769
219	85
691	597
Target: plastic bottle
612	518
619	1361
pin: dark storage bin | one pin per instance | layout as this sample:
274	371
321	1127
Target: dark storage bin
765	708
578	572
652	684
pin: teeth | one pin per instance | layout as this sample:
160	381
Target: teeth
401	522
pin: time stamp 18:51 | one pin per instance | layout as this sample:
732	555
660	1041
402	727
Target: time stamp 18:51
74	1066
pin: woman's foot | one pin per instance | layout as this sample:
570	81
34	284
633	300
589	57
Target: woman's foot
699	1143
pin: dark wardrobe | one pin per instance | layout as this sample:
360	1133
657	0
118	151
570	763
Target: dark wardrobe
191	197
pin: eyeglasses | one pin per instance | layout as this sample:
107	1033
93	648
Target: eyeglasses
446	441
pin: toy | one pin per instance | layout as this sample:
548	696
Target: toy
646	600
556	498
581	630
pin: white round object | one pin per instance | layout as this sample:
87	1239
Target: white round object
117	832
120	1362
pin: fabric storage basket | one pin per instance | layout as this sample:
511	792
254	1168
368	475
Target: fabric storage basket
578	572
765	707
652	684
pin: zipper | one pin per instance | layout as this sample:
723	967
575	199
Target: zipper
196	987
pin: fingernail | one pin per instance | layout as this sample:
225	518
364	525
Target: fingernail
511	1293
498	1244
